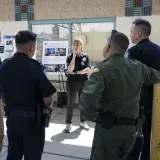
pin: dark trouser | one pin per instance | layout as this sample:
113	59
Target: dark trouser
112	144
25	138
135	152
72	90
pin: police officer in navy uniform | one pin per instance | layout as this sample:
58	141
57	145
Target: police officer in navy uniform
78	66
25	87
148	53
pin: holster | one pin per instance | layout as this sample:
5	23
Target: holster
46	116
43	115
140	122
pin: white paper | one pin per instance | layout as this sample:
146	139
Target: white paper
54	56
2	55
10	46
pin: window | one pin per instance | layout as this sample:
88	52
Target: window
30	2
18	16
24	10
138	3
49	32
94	36
17	2
138	7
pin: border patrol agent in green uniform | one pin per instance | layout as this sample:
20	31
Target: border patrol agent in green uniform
111	99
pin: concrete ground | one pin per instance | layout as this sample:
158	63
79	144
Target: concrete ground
62	146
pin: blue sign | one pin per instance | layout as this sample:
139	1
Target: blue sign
9	37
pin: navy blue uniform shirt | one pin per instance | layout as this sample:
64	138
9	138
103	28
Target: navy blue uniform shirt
148	53
81	63
23	82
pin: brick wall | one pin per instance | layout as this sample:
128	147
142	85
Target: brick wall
156	7
7	10
61	9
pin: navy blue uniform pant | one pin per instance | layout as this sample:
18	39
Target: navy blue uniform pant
25	137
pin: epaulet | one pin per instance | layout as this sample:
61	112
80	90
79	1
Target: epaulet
35	61
6	60
36	64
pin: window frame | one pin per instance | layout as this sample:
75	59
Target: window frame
70	22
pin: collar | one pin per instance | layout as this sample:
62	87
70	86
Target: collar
21	54
144	40
117	54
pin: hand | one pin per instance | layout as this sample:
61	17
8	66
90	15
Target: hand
72	73
74	54
68	72
79	72
88	71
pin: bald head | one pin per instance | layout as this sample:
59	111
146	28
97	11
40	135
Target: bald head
119	42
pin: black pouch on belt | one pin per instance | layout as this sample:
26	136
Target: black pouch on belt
46	114
107	119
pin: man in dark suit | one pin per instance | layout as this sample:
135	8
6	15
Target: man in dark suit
148	53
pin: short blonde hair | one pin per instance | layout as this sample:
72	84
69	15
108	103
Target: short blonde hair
77	42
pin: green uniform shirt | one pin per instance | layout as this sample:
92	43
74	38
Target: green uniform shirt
115	86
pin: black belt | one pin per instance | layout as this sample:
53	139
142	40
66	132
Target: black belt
125	121
108	120
26	114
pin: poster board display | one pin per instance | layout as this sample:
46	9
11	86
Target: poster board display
2	53
35	54
10	46
54	56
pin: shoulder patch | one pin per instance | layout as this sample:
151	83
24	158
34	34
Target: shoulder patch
96	70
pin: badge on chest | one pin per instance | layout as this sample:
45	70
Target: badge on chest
83	61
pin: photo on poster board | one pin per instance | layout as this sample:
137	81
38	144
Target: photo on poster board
2	55
50	52
1	49
60	51
10	46
54	56
58	68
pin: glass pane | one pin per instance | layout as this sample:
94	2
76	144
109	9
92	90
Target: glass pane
94	36
138	3
49	33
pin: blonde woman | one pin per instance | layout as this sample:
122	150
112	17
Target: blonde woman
78	66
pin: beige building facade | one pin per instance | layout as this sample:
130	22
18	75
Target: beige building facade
91	19
62	9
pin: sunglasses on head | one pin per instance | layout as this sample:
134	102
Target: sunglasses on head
113	32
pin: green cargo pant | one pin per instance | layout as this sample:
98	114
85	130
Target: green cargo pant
112	144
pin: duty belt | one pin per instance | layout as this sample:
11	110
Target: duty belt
20	113
124	121
108	120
